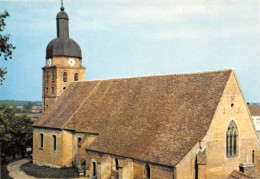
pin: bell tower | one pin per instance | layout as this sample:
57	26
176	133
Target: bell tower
63	62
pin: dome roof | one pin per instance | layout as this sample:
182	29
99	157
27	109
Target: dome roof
63	47
62	15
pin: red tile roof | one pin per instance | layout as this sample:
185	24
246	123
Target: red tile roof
156	119
237	174
254	110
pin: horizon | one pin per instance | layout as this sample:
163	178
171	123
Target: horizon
123	39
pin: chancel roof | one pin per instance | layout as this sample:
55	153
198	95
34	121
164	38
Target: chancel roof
254	109
156	119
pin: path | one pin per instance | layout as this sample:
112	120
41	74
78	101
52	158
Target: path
15	172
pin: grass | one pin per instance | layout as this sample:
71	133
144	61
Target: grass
47	172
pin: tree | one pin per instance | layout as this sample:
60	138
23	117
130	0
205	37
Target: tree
15	132
6	48
27	107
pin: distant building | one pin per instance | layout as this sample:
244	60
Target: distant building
255	114
36	109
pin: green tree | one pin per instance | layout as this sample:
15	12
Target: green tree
27	107
6	48
15	132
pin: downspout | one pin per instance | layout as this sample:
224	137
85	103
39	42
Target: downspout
174	173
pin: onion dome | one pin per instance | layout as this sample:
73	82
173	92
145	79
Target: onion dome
63	45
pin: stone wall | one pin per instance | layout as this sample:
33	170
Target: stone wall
127	168
231	107
58	67
67	152
46	155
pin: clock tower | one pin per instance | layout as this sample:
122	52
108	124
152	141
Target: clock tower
63	62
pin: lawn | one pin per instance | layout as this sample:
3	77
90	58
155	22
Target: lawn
47	172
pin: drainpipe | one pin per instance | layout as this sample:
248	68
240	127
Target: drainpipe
174	173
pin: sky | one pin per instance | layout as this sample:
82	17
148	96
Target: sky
126	38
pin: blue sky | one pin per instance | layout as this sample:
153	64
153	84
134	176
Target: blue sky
124	38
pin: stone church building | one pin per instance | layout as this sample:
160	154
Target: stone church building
193	125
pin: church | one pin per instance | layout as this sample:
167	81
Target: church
191	125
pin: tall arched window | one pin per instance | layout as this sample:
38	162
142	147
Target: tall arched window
52	77
76	77
147	171
231	139
116	163
47	77
65	77
94	168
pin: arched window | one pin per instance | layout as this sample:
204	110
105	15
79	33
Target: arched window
94	168
65	77
147	171
231	139
79	139
47	77
253	156
52	77
76	77
116	163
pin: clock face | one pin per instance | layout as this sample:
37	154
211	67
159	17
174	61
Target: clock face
71	62
49	61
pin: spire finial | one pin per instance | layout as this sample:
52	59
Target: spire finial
62	8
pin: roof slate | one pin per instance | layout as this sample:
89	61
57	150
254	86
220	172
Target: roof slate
237	174
156	119
254	110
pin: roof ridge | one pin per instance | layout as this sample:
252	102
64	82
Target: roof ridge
81	104
158	75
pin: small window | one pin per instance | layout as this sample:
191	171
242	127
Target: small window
47	106
65	77
52	90
47	77
79	139
116	163
64	88
41	141
253	156
47	90
76	77
258	121
94	168
147	171
52	77
54	142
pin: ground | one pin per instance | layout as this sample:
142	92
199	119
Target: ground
16	172
24	169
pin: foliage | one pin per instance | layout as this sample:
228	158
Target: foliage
6	48
15	132
4	171
27	107
19	103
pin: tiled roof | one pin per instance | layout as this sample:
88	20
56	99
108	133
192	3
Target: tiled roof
254	110
156	119
237	174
